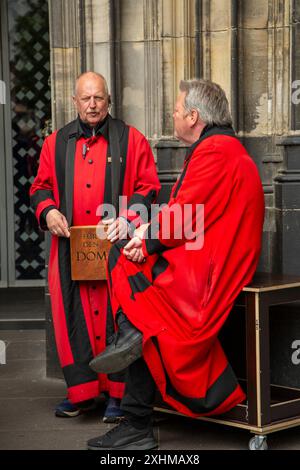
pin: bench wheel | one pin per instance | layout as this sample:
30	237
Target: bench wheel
258	443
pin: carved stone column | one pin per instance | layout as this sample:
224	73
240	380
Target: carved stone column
65	57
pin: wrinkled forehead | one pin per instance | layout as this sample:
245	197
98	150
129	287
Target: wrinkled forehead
90	86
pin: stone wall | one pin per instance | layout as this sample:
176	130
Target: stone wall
144	48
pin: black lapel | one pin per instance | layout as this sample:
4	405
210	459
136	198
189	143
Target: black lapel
207	132
115	163
122	139
69	175
64	172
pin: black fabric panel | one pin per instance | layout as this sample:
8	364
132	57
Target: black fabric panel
69	177
123	132
61	144
43	223
123	150
75	319
114	255
152	241
115	162
77	374
138	283
159	267
39	196
145	201
181	178
110	324
107	188
219	391
60	163
210	131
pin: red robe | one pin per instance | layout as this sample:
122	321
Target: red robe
180	298
79	309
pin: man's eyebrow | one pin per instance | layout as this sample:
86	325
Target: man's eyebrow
86	95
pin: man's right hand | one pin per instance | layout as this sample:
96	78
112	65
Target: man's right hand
57	223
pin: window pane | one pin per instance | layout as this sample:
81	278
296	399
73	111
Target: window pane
29	58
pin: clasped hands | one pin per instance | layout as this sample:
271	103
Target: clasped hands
117	229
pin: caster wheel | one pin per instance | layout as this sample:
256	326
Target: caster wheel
258	443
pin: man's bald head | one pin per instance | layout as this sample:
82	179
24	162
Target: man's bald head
91	98
83	77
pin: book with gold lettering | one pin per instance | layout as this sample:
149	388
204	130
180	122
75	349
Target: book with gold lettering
89	252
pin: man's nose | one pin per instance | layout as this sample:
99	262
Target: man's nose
92	102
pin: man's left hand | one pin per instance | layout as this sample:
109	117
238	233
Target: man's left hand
117	229
133	250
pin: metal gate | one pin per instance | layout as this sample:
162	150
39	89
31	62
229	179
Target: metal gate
24	74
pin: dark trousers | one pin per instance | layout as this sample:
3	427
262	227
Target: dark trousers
138	400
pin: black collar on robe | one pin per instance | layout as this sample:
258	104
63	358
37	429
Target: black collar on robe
208	131
84	130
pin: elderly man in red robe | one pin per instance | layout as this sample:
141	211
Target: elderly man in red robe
171	293
83	166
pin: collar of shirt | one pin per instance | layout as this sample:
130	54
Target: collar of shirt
84	130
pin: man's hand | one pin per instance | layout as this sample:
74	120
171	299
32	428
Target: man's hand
139	232
133	250
117	229
57	223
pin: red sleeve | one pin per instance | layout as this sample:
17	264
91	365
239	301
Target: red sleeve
146	182
41	191
198	201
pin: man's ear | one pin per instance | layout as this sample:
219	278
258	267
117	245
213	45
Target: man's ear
109	100
194	116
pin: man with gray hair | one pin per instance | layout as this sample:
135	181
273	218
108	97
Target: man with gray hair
173	296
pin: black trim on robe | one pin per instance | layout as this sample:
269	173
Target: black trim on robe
145	201
138	283
77	374
159	267
218	392
114	255
207	132
123	131
153	244
43	214
39	196
75	319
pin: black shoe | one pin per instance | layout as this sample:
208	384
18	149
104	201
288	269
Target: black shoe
126	348
124	436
